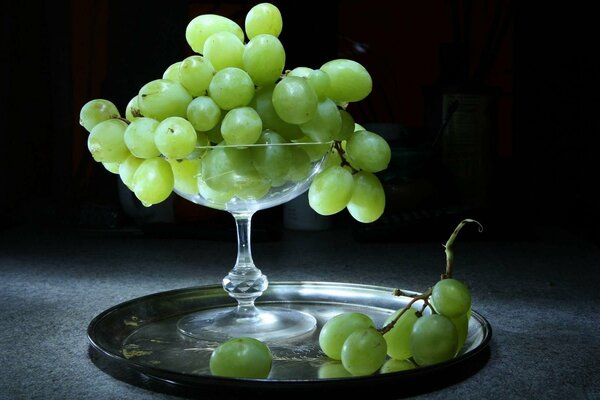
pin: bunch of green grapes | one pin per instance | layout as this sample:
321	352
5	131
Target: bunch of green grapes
236	91
430	329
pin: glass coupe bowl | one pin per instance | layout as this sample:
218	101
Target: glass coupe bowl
242	180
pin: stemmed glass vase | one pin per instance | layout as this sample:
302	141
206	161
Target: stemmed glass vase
243	180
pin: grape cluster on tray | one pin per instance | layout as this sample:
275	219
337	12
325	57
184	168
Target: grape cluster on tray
239	93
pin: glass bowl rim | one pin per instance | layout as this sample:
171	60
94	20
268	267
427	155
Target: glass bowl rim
259	145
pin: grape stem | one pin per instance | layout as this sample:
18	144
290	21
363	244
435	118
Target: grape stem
123	119
338	146
450	251
425	296
415	297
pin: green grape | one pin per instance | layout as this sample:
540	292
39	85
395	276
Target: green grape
95	111
186	173
320	83
263	104
203	113
315	151
195	74
172	72
347	127
349	80
368	151
331	190
277	182
263	18
200	28
299	164
264	59
139	137
255	190
241	357
433	340
347	159
333	369
214	134
127	169
241	125
364	352
358	127
153	181
451	297
325	124
217	197
302	72
294	100
333	159
228	169
392	365
163	98
132	111
105	141
112	167
398	338
175	137
224	49
231	87
202	143
337	329
368	198
461	323
272	161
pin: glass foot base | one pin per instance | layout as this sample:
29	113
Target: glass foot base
264	323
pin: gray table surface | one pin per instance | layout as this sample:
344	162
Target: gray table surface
541	297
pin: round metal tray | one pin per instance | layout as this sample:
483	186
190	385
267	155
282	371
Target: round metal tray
138	342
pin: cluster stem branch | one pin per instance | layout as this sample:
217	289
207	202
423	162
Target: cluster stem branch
337	145
424	296
123	119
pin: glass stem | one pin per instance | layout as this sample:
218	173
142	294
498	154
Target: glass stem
245	282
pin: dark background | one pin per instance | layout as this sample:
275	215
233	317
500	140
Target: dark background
538	62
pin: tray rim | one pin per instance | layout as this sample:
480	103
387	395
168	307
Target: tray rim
185	380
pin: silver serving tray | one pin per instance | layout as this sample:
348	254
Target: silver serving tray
138	342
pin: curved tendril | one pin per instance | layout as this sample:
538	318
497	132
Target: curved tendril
450	251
